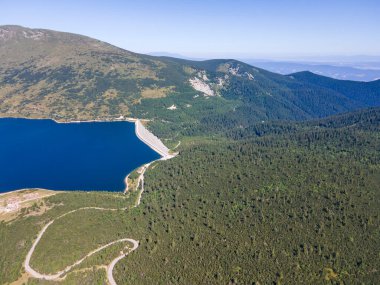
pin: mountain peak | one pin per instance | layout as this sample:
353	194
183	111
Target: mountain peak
11	32
46	73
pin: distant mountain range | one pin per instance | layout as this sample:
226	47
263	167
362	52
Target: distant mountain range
334	70
65	76
345	68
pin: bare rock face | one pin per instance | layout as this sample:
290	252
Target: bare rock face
5	34
34	35
9	33
201	86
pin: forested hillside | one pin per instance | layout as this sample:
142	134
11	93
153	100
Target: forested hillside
268	187
64	76
277	203
294	206
357	91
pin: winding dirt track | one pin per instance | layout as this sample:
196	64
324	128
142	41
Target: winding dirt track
110	267
60	275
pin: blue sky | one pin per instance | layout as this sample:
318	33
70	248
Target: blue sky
212	28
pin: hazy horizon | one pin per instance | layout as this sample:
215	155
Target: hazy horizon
296	58
214	29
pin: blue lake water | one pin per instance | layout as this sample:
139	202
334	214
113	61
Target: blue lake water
74	156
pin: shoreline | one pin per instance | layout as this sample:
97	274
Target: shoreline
111	120
31	189
153	142
150	139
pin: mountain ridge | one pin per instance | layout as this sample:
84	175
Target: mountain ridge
259	162
64	76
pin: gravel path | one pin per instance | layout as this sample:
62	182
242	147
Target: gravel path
154	143
60	274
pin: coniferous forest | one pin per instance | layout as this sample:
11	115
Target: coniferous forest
275	203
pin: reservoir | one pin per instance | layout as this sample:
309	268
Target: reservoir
69	156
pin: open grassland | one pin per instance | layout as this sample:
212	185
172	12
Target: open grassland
16	237
79	238
89	276
27	203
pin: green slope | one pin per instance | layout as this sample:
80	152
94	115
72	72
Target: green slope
253	197
361	92
298	207
65	76
297	204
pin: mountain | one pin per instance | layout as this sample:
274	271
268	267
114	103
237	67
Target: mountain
176	55
265	190
360	92
334	70
62	75
65	76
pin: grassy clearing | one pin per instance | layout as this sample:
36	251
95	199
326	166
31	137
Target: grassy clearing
16	237
74	236
27	202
